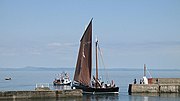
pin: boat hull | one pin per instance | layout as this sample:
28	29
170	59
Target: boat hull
91	90
7	78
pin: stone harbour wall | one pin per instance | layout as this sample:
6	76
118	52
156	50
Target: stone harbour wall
143	88
154	88
40	94
164	81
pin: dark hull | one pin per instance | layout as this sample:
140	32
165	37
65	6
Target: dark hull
61	84
7	78
97	90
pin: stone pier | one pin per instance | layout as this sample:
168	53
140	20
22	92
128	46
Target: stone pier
40	94
157	85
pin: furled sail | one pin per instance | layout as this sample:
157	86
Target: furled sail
84	61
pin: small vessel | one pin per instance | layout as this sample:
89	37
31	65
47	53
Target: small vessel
8	78
63	79
82	77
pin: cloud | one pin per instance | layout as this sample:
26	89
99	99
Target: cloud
62	48
36	50
144	45
161	44
56	44
7	51
20	51
142	48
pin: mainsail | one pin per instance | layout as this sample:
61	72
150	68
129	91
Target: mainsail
84	61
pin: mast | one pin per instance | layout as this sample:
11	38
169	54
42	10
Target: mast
144	69
96	62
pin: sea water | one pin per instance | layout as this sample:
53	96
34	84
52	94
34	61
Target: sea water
23	79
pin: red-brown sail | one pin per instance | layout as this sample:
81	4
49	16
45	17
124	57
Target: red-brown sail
84	61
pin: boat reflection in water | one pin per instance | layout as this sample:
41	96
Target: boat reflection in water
101	97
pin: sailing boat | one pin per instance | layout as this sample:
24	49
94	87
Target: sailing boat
82	76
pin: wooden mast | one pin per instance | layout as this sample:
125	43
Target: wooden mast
144	69
96	63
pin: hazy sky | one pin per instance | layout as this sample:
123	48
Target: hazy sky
130	32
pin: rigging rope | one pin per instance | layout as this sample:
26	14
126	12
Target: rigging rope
101	55
149	73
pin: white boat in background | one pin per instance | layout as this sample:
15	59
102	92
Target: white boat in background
63	79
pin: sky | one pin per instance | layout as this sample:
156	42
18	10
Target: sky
47	33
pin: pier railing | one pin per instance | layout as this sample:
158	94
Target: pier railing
42	86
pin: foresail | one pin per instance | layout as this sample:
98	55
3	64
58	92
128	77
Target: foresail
84	61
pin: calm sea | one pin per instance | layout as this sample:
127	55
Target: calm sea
26	79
